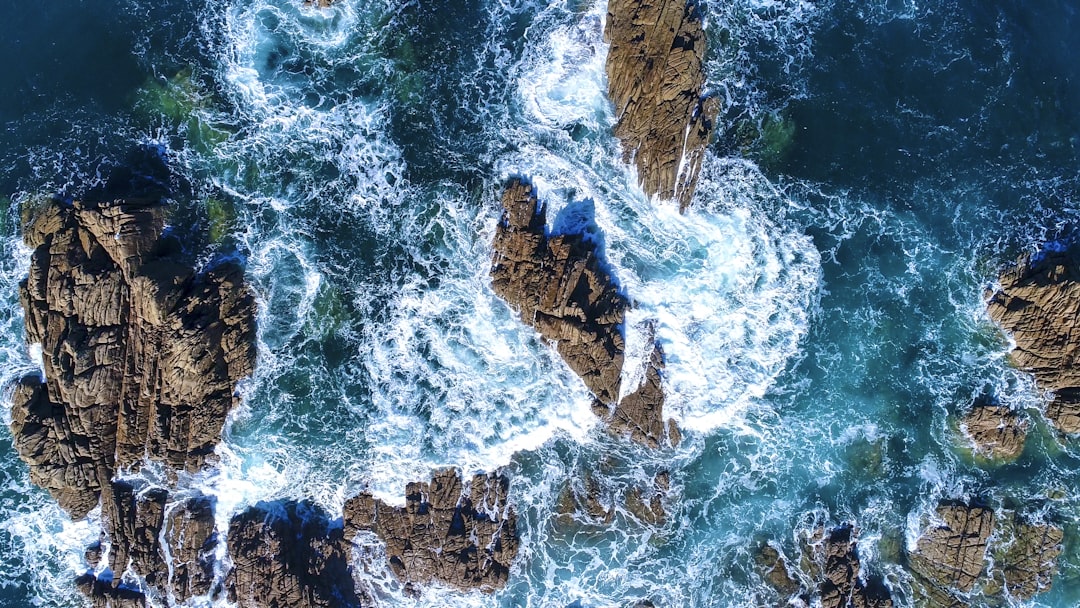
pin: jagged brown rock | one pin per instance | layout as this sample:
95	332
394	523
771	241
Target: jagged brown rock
950	553
192	541
462	536
288	555
133	521
641	413
102	593
656	82
1038	304
997	431
558	285
141	355
842	585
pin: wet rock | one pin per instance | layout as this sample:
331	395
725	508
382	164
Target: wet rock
648	505
460	535
593	503
288	555
641	413
559	286
656	83
102	593
773	567
843	585
192	542
1027	562
1038	304
997	431
951	551
141	354
319	3
133	521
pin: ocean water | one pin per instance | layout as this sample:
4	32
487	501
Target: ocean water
821	307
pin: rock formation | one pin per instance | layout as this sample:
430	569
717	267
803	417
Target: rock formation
641	413
1038	303
830	562
559	286
1026	565
997	431
951	551
842	585
288	555
656	82
460	535
140	356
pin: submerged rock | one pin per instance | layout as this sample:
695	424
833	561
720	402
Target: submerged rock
141	354
950	553
1038	304
656	81
997	431
1026	563
559	286
288	555
462	535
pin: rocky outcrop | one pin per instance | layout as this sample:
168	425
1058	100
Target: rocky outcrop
462	535
191	541
1025	566
288	555
1038	304
559	286
950	553
830	563
842	585
640	415
656	82
998	432
140	353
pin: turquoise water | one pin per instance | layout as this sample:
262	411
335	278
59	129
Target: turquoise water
821	307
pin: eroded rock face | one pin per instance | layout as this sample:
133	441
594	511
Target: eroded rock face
141	355
951	552
460	535
559	286
192	542
288	555
656	83
997	431
1038	304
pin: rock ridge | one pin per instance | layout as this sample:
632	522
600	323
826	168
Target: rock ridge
656	82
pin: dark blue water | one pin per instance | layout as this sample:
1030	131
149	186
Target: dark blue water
821	308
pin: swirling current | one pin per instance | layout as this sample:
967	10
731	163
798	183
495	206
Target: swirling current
821	306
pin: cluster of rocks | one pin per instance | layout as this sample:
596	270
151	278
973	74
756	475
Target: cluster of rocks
1038	303
141	355
656	82
463	535
829	571
951	555
559	285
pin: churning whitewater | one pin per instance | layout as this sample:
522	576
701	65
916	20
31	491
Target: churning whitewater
821	307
